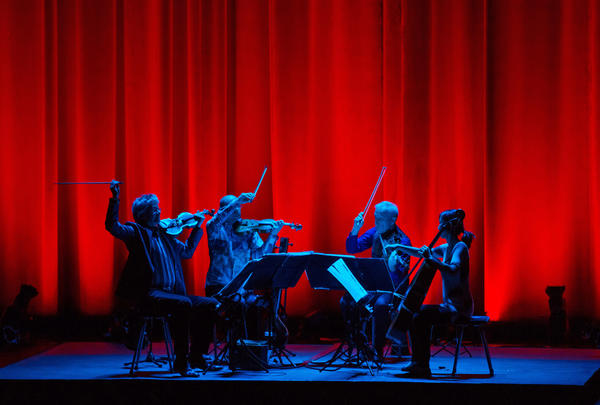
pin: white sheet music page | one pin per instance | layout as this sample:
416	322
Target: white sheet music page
342	273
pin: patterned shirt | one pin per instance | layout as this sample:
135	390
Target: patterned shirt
229	251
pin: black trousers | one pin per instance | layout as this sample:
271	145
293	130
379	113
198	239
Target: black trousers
381	315
191	317
420	330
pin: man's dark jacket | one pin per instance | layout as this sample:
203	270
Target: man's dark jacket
136	278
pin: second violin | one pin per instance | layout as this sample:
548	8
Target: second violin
261	226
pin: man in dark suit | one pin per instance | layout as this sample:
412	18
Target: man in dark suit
153	278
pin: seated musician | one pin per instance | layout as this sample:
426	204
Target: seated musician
457	299
384	232
230	251
153	278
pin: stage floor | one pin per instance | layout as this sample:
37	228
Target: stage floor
549	374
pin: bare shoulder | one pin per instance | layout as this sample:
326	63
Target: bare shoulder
461	248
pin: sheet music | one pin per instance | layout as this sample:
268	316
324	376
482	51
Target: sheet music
342	273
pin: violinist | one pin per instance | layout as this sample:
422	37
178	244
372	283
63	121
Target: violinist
385	232
153	278
229	250
457	299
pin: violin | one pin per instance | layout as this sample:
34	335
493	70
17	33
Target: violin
184	220
262	226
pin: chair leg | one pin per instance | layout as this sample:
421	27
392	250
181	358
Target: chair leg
138	349
168	343
459	336
487	350
214	338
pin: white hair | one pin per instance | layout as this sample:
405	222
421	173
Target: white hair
387	208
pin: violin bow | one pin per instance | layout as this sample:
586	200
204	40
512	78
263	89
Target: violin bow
86	182
383	169
260	181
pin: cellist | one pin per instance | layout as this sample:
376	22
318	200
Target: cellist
457	299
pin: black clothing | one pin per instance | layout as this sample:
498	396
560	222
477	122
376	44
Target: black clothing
137	276
420	332
457	301
191	316
455	284
153	279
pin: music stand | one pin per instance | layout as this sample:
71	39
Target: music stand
274	271
277	271
235	338
373	275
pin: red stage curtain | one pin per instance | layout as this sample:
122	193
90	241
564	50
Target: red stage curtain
491	106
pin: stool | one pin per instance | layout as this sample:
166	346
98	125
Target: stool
477	322
146	330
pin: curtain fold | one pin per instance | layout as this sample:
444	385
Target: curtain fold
486	105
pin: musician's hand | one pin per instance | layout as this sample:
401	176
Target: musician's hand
245	198
114	188
396	262
358	223
393	261
277	225
425	252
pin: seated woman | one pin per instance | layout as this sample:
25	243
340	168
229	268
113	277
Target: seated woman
457	299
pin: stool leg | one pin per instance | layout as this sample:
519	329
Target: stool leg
171	344
459	336
487	350
167	343
138	349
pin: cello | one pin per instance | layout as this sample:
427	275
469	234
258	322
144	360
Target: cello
411	302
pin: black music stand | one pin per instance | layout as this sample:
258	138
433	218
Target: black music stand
275	272
373	275
230	296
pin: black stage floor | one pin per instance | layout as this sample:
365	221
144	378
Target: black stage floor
93	372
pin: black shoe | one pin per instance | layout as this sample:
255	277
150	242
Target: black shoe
186	371
417	370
